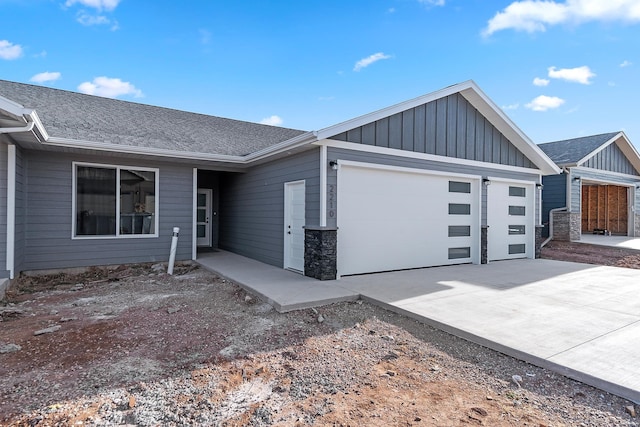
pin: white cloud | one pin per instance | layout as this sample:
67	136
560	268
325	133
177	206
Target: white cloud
45	77
625	63
536	15
580	75
96	4
433	2
9	50
540	82
544	103
273	121
365	62
88	20
511	107
109	88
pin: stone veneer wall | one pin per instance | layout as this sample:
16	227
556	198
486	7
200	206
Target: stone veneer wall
539	240
567	226
320	252
484	254
636	225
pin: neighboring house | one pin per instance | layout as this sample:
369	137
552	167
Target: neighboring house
445	178
598	189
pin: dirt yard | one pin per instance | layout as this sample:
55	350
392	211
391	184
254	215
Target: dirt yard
134	346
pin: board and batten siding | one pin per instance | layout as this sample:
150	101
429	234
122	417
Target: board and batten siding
448	126
48	215
383	159
252	205
611	159
4	273
554	195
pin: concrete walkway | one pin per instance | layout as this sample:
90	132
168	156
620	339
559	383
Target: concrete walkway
580	320
617	241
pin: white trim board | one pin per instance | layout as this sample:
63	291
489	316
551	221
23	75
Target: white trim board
424	156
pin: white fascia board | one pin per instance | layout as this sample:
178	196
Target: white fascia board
585	169
509	129
339	128
13	108
284	146
423	156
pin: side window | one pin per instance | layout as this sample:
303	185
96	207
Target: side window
114	201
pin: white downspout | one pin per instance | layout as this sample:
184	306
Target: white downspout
564	208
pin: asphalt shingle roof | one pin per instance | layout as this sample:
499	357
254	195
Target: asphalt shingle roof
570	151
91	118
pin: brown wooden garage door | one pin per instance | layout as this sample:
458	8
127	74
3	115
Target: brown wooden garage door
604	207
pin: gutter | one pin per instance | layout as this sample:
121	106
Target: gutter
564	208
26	128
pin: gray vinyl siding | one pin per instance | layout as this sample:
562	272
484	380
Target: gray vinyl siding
602	176
252	205
4	273
554	195
20	211
611	159
48	221
383	159
448	126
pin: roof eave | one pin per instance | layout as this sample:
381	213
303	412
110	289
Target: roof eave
627	148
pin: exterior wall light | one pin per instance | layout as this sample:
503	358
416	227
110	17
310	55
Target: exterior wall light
486	181
577	178
333	165
539	186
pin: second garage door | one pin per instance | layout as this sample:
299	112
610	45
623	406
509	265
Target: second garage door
398	218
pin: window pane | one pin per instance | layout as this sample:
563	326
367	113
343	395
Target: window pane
516	210
95	201
517	249
459	231
516	229
459	187
137	201
517	191
459	209
456	253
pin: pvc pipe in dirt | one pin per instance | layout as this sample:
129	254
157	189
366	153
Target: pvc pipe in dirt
174	245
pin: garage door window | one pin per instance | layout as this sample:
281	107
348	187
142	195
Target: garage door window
457	253
517	210
517	249
459	231
459	187
518	191
516	229
459	209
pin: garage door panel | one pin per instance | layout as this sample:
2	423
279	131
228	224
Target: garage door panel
390	220
510	216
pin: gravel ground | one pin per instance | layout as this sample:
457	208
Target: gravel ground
134	346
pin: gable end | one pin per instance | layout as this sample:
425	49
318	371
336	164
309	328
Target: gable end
611	159
449	126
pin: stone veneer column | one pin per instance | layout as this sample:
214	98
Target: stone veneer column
321	252
539	240
636	225
567	226
484	235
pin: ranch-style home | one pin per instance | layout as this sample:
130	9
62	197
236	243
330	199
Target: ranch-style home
599	189
445	178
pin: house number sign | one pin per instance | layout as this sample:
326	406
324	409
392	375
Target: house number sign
331	201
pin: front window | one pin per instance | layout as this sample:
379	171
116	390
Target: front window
115	201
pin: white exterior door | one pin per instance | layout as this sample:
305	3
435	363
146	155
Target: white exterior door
400	218
511	220
294	222
203	217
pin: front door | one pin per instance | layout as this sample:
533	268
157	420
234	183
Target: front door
294	222
203	216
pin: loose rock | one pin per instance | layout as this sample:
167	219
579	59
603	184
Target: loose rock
48	330
9	348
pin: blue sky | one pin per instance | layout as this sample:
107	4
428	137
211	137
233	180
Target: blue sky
559	69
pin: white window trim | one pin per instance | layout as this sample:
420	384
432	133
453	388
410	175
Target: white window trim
117	168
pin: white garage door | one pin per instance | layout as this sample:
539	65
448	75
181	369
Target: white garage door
397	218
510	217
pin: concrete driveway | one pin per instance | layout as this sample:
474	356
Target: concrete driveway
577	319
